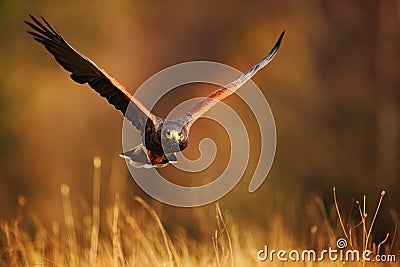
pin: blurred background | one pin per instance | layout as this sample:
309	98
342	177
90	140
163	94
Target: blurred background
333	89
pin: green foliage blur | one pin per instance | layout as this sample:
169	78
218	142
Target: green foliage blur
333	89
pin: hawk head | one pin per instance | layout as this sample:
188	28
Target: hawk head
174	136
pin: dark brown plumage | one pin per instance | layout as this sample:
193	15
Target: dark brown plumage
161	138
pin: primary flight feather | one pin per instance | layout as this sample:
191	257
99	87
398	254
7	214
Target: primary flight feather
161	138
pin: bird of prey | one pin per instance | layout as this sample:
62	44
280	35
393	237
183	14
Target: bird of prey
161	138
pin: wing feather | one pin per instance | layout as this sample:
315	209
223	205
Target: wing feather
83	70
207	103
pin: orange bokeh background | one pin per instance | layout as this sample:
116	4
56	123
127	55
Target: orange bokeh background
333	89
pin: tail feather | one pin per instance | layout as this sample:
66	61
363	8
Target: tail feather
137	157
171	158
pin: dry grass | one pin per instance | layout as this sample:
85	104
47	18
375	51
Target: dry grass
125	237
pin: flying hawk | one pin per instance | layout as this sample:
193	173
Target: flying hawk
161	138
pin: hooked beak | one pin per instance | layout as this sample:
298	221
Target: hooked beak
174	135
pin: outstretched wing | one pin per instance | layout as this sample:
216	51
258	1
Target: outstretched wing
83	70
203	106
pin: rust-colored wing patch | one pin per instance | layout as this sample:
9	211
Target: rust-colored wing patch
203	106
83	70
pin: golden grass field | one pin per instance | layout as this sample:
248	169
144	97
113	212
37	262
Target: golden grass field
135	236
